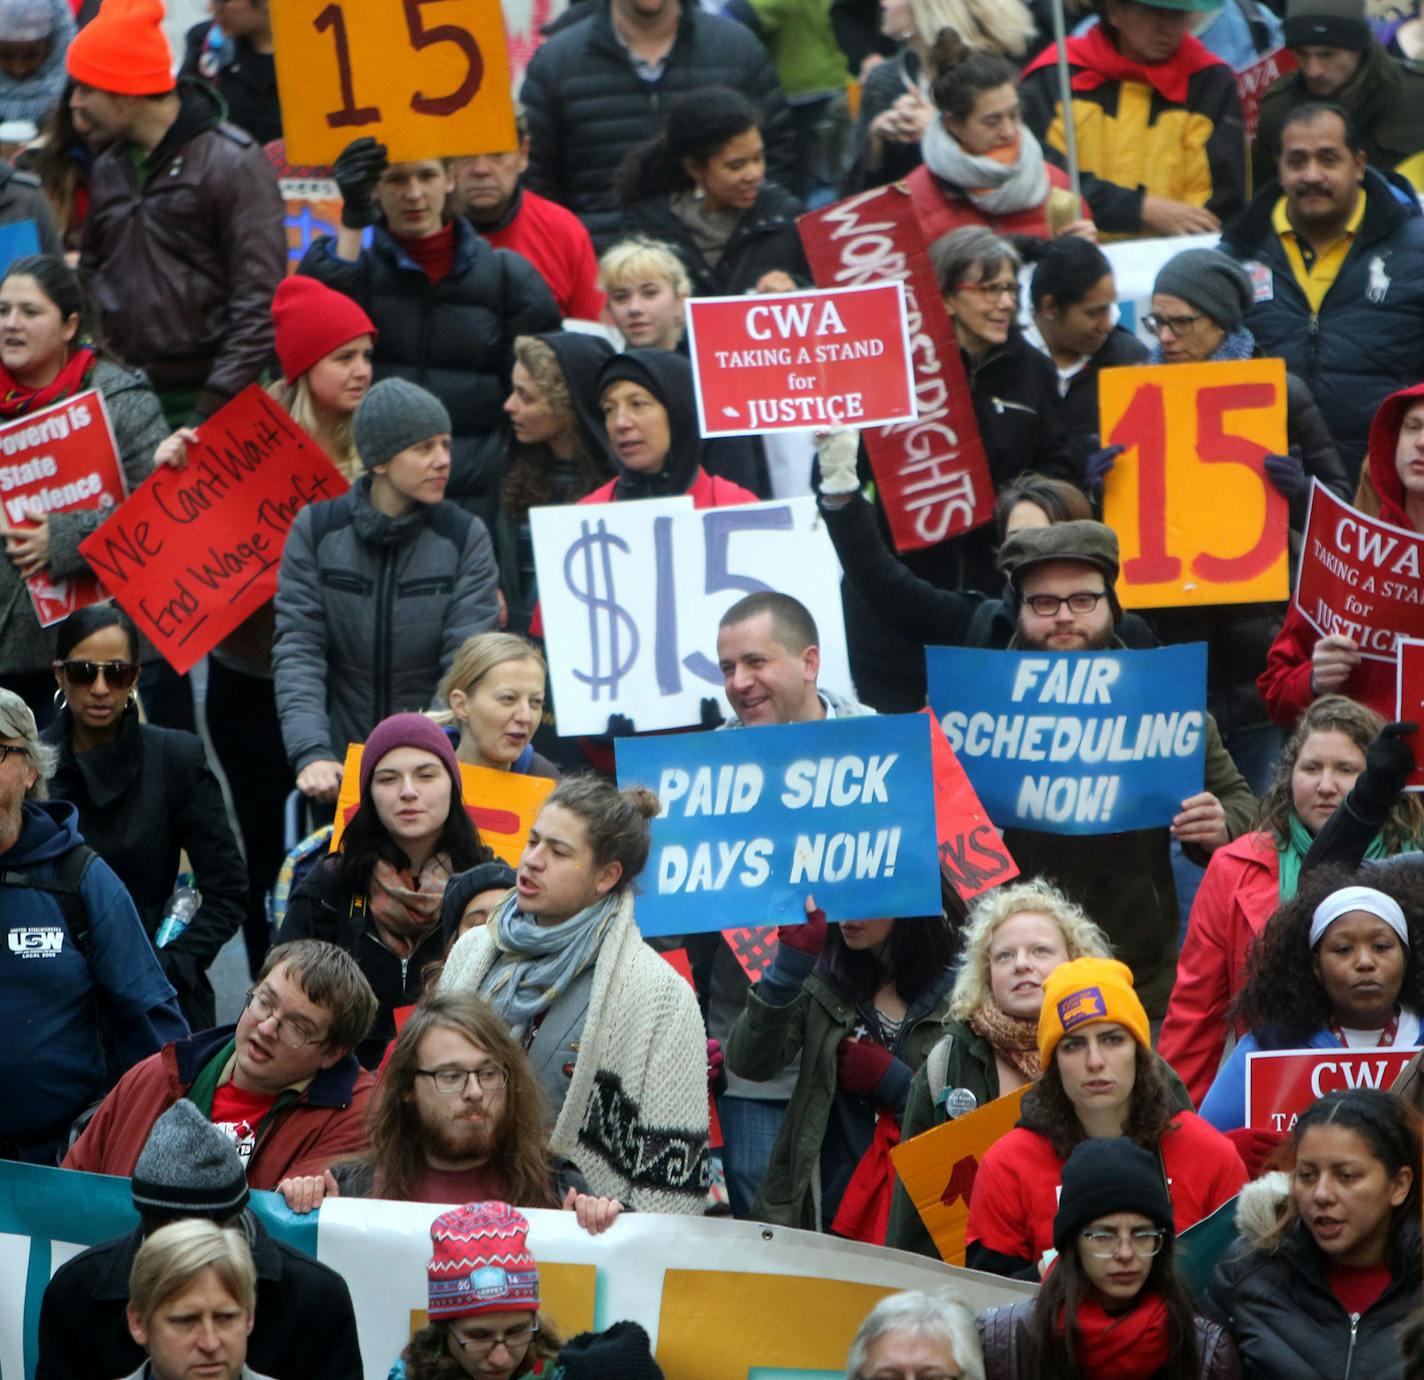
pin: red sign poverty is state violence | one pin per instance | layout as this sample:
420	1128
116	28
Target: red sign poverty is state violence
60	460
1360	577
930	473
788	361
196	550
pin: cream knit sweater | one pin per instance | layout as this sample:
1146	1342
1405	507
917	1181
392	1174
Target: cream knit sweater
635	1116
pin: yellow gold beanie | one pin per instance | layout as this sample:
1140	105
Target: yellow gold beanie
1089	991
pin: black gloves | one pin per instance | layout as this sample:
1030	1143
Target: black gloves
357	171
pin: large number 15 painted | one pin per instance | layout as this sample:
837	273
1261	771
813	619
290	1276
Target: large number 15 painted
351	115
1143	428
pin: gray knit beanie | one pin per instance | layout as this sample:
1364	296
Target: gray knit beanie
1328	24
1207	280
395	415
188	1168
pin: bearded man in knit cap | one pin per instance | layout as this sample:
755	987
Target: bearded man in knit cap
378	588
1339	59
184	242
305	1325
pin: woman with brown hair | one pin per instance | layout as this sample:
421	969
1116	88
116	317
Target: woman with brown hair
560	452
1249	879
1098	1081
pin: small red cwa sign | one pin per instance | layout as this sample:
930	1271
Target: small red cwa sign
792	361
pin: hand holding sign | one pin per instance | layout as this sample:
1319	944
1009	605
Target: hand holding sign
429	78
1199	519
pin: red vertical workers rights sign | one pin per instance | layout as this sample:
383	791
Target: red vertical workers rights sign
60	460
930	473
196	550
1409	701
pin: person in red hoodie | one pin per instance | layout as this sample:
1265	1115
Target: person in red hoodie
1250	878
982	166
1302	663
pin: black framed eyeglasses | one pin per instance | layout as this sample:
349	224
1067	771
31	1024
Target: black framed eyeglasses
1080	601
1179	325
482	1343
7	748
119	674
451	1082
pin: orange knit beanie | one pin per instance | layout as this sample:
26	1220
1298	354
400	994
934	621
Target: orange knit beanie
123	50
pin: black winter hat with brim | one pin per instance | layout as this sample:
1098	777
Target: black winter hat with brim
463	887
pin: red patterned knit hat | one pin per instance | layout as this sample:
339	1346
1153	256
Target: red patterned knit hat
481	1262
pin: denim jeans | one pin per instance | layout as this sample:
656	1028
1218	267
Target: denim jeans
749	1130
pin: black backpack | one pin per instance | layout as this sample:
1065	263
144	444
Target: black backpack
66	888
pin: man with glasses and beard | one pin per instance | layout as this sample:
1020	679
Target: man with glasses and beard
80	984
458	1117
283	1083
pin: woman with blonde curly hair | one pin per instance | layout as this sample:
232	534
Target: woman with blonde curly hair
1249	879
1016	936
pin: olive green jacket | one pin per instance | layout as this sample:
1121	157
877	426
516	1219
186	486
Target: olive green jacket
766	1038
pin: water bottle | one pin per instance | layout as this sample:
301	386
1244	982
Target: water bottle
181	908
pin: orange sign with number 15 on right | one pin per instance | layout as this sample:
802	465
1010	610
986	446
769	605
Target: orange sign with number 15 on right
1196	516
427	78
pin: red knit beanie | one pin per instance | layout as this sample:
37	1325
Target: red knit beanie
312	320
408	730
481	1262
123	50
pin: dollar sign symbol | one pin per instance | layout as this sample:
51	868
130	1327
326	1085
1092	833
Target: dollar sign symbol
606	616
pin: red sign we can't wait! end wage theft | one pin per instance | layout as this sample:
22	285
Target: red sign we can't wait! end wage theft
196	550
789	361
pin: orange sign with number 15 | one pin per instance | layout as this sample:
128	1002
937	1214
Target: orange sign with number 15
1198	520
427	78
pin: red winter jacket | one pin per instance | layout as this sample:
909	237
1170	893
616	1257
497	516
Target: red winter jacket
707	491
1285	683
326	1122
939	209
555	242
1238	894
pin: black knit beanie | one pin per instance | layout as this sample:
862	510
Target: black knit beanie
1102	1177
621	1352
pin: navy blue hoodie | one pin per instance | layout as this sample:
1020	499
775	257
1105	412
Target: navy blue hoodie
52	1063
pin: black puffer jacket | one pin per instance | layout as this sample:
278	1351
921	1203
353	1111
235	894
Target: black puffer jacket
1367	340
588	106
1005	1335
143	799
1286	1321
455	337
764	241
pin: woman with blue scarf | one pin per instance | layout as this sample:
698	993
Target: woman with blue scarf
1199	302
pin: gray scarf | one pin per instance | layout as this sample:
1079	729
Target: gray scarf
996	188
540	962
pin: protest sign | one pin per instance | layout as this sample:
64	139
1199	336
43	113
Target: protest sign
938	1167
787	361
62	459
196	550
797	1297
1075	742
1198	520
1282	1083
753	950
1359	577
1254	81
631	631
503	804
426	82
753	822
1409	702
930	473
971	852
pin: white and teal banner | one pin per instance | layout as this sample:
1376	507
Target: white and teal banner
722	1300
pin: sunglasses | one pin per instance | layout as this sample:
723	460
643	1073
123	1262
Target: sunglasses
118	674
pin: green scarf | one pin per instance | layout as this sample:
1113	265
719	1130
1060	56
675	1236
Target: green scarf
204	1088
1295	848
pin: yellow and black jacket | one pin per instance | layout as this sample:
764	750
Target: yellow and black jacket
1172	129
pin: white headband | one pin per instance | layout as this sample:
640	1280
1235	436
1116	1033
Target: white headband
1364	898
